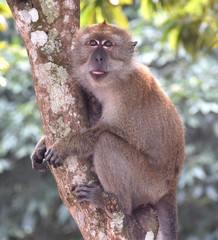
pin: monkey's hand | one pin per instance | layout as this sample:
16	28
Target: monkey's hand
38	155
72	144
93	193
56	154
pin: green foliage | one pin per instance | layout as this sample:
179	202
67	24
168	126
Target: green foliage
193	24
17	104
4	13
96	11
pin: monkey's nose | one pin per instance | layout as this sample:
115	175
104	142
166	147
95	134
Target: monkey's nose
99	59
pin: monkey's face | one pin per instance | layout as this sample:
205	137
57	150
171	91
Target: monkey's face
102	54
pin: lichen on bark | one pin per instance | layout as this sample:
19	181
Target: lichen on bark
50	9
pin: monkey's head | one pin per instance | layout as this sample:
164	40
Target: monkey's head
102	54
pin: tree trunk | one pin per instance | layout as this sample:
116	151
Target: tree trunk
47	27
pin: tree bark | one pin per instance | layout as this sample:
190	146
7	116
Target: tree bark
47	28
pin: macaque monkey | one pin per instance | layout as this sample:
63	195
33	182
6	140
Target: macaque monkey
136	136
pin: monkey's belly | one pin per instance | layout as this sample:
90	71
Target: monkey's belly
123	170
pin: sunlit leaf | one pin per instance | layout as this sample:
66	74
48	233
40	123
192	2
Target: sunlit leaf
3	44
119	17
192	24
173	37
126	2
3	23
147	8
195	6
88	15
3	81
5	10
4	65
99	15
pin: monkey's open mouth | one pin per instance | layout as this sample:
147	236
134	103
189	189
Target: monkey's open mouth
98	75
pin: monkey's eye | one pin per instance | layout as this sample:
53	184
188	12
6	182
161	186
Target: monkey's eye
93	43
108	44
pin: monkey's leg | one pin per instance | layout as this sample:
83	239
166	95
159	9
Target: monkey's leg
167	215
137	224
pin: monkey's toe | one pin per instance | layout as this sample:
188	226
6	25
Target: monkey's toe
91	193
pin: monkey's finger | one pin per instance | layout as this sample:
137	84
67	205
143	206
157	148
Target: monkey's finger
35	159
54	165
54	160
39	167
81	194
90	185
57	162
40	154
94	185
84	200
49	156
47	152
82	188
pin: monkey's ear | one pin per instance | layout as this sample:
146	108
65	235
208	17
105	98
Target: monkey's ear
134	44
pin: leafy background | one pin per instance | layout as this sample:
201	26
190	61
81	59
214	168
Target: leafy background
178	40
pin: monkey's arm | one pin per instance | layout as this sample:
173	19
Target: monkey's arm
38	155
79	144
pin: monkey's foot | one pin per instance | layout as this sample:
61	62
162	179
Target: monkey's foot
91	193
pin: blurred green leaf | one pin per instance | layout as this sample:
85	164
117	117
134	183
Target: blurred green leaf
4	65
5	10
88	15
3	23
191	24
147	8
96	11
116	15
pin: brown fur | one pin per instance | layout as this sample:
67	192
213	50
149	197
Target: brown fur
137	143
